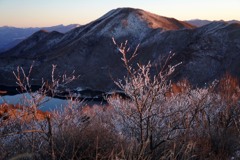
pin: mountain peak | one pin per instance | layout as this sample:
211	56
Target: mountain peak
42	31
152	20
39	34
205	52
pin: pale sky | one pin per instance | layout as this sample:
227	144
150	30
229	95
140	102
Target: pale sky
40	13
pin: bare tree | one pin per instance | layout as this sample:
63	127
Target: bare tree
145	116
26	122
166	121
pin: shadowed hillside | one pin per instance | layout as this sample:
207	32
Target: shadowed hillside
206	52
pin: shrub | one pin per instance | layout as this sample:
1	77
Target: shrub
155	120
174	121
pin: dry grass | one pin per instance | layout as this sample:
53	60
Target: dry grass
24	114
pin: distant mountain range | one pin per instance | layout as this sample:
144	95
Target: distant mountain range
206	52
11	36
200	23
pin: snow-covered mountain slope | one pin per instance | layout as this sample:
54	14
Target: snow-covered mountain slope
11	36
40	41
200	23
206	52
